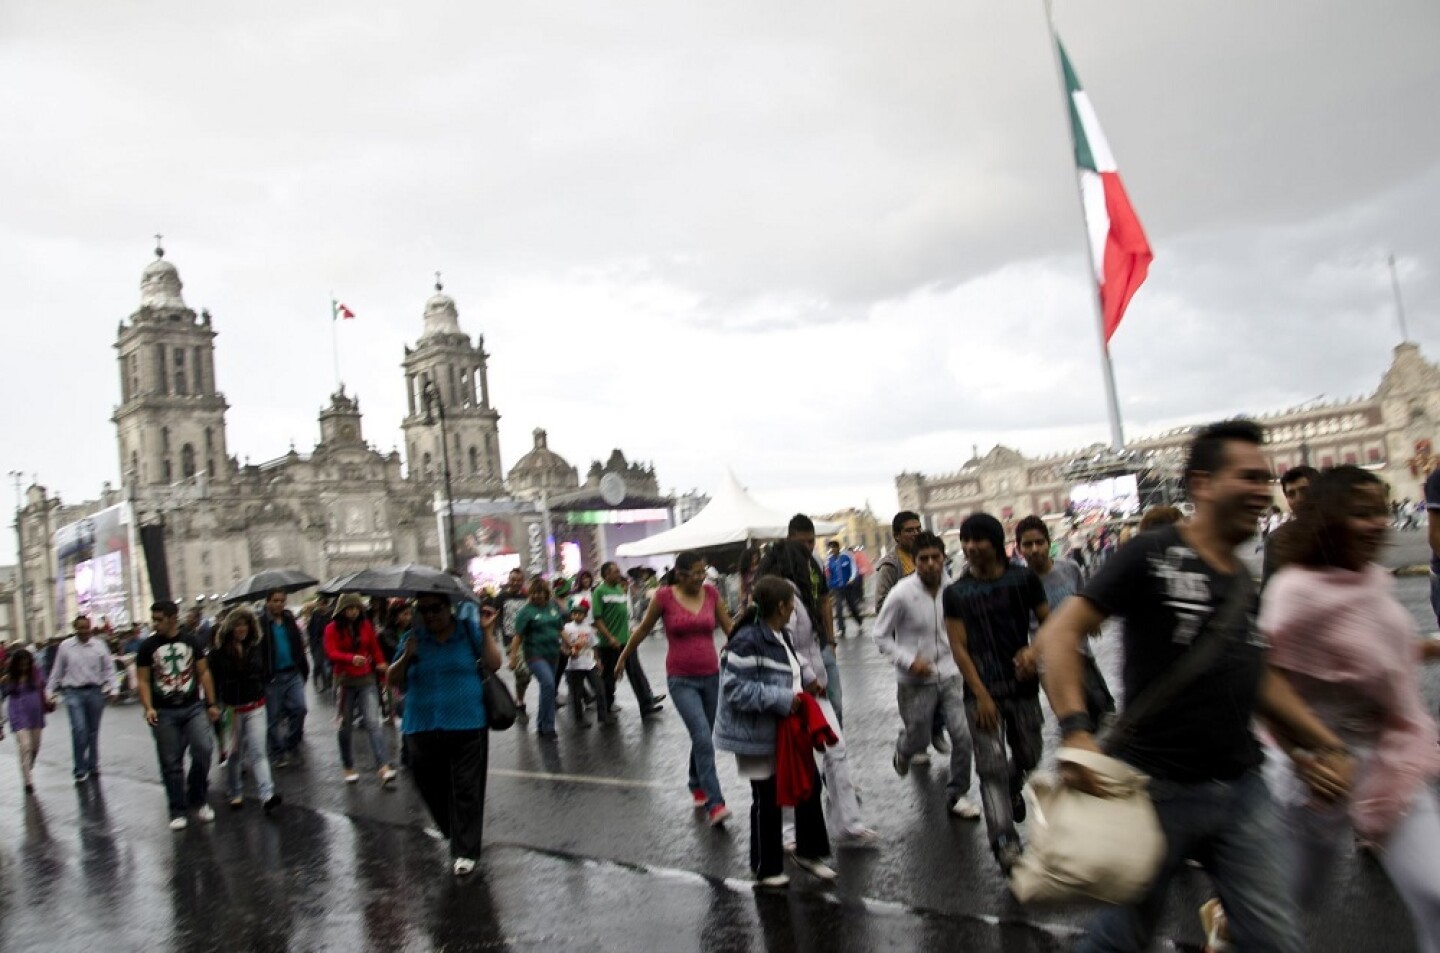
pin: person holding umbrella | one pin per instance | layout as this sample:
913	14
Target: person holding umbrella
438	667
354	651
289	671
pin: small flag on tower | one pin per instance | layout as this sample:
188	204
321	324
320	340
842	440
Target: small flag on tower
1119	251
339	311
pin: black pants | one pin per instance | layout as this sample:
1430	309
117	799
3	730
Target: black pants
578	680
634	674
1098	700
449	770
767	849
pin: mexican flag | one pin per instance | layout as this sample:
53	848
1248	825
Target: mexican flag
1119	252
338	311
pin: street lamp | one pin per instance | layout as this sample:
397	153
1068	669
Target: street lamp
435	407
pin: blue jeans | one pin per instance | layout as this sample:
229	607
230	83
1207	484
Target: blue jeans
251	740
695	698
832	682
285	708
1232	828
85	706
177	730
362	701
542	670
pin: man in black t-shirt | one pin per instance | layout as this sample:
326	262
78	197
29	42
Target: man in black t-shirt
1199	751
987	616
172	672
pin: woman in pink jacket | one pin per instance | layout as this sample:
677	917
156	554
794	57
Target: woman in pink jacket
1351	650
354	652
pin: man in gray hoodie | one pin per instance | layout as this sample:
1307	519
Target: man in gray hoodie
911	631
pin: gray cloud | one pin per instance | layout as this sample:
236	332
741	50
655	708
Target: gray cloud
762	228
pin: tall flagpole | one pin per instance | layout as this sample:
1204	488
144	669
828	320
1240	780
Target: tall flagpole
1112	397
1399	301
335	339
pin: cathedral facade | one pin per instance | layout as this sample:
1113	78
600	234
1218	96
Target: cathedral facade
340	507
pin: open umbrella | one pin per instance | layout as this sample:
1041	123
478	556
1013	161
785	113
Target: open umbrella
267	581
401	581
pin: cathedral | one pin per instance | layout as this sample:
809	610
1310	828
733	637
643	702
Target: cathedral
191	520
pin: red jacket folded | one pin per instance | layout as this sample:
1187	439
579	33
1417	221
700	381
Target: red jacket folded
797	739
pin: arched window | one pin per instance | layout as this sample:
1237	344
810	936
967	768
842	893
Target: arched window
426	466
474	461
167	472
187	461
134	465
165	439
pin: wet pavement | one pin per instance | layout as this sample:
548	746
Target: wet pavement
590	844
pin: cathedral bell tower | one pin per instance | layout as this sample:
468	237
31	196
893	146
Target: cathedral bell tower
170	422
445	371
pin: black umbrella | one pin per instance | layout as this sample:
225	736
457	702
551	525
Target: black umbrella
401	581
265	582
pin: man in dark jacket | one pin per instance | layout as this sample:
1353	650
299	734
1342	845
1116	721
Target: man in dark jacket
289	668
320	617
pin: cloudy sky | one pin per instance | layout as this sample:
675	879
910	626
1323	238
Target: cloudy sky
819	243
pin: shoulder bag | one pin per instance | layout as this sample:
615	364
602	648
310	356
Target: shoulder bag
499	703
1086	848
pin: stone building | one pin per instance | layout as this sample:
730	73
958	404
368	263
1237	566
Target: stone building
1391	431
343	505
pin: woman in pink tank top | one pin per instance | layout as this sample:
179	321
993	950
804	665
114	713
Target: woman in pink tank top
691	610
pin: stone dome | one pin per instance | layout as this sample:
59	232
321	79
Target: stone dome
441	315
160	284
543	467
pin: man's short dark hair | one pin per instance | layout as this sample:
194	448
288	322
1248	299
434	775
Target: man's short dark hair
1207	450
800	523
166	607
833	544
928	540
605	568
1296	474
1031	524
900	519
82	617
983	526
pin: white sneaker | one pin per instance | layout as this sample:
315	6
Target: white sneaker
815	868
921	758
464	866
178	823
205	814
779	880
352	776
387	774
966	807
861	837
940	743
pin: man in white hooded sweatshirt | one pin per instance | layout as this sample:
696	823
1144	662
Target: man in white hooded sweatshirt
911	631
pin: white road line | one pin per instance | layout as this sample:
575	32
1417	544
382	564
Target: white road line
576	779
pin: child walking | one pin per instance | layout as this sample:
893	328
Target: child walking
26	704
762	682
577	642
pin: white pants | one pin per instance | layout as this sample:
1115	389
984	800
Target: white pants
27	743
1319	835
842	805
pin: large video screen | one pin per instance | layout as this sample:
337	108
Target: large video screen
93	558
1112	496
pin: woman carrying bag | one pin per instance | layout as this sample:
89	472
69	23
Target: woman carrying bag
445	723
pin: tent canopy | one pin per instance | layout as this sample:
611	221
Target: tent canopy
731	516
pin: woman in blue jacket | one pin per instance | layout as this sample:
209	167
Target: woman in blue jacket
761	682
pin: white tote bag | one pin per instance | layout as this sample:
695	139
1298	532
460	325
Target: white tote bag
1084	847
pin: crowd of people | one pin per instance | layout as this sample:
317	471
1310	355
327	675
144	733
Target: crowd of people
1309	723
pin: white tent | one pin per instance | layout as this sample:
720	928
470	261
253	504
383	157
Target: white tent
731	516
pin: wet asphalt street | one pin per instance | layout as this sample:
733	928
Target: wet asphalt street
591	844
